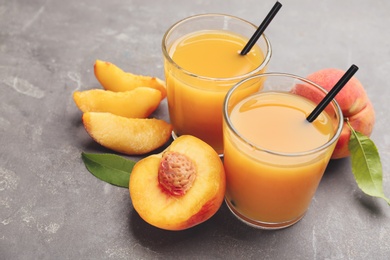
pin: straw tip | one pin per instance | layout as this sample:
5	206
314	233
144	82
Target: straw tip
261	28
354	67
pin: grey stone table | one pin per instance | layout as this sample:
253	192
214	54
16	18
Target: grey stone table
51	207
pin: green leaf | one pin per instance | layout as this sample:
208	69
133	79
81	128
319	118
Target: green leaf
110	168
366	164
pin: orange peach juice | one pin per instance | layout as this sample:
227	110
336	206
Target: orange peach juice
269	182
202	66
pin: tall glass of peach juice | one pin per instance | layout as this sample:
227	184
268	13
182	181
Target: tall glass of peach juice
274	158
202	62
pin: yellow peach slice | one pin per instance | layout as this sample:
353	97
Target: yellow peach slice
136	103
130	136
179	188
115	79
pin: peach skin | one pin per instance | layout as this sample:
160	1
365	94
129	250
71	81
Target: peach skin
353	101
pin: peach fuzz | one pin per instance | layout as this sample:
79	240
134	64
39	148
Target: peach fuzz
353	101
362	122
179	188
352	98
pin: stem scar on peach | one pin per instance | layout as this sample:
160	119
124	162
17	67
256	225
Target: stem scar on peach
179	188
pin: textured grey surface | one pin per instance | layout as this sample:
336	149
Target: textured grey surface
52	208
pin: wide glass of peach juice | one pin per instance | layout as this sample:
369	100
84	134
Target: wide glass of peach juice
274	158
202	62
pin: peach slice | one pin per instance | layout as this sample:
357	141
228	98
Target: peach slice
130	136
136	103
115	79
179	188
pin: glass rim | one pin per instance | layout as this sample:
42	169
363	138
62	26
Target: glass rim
337	109
267	56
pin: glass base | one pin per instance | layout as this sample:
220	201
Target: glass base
174	136
260	224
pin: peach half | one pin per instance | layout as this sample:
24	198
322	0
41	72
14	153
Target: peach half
137	103
353	101
179	188
113	78
132	136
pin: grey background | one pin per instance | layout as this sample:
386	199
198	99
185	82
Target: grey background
51	207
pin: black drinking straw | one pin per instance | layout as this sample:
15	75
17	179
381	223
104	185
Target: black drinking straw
332	93
261	28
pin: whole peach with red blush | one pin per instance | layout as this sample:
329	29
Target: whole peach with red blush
353	101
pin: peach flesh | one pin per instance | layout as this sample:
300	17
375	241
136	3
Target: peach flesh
158	206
